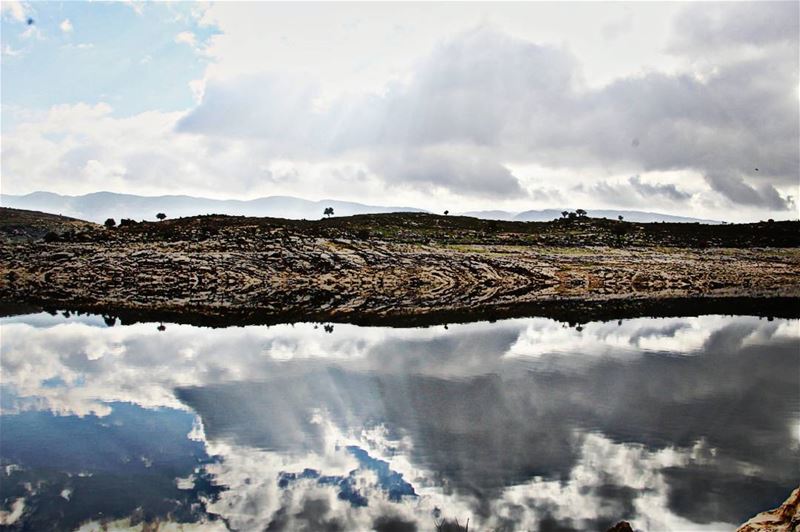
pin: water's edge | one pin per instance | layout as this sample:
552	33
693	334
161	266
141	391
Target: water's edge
574	311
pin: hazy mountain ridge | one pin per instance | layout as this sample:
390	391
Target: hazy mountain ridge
98	206
546	215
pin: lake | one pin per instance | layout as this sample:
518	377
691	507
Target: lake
523	424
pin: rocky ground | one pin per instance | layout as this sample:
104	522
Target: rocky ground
18	225
785	518
354	268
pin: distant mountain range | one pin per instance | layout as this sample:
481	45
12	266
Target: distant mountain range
545	215
99	206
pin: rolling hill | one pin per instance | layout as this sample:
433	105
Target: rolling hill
98	206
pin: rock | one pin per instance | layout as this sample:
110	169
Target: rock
233	266
785	518
640	280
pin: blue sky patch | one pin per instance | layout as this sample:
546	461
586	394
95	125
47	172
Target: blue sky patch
106	52
389	480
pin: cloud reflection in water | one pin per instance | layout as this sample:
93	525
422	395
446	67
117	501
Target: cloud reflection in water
518	424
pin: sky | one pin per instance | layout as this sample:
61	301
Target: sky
680	108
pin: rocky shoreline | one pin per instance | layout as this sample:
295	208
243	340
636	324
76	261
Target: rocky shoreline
214	266
785	518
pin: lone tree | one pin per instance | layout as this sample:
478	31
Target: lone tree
564	214
161	216
110	223
580	212
620	218
328	211
446	213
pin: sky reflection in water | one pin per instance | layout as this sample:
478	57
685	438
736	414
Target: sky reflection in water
672	424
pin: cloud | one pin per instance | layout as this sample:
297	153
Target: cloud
186	37
515	101
136	5
459	168
636	192
742	193
270	108
66	26
11	52
617	28
462	122
32	31
701	27
79	46
284	398
669	191
14	9
476	89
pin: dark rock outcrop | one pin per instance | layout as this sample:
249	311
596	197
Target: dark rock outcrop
785	518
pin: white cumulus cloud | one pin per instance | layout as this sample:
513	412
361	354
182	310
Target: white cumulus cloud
186	37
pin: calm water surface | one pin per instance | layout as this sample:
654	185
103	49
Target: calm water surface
524	424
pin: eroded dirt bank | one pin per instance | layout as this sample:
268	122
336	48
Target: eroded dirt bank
268	269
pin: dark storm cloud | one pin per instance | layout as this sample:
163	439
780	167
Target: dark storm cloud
647	190
695	488
636	192
740	192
